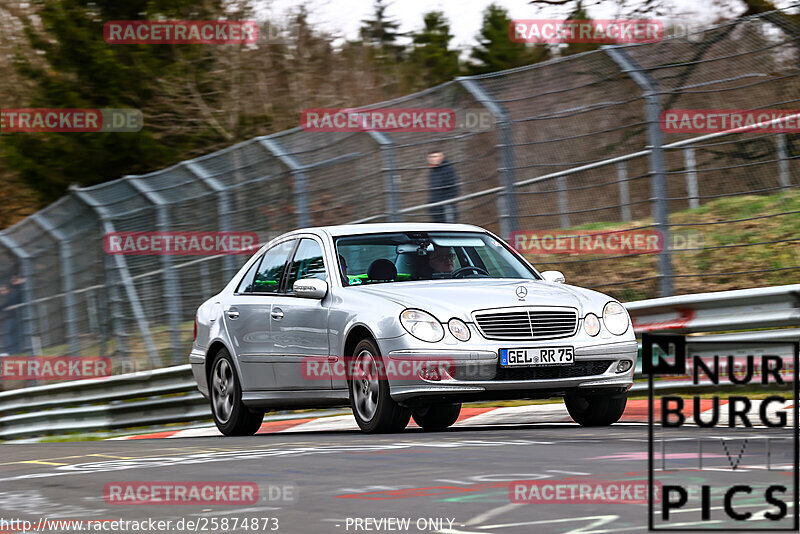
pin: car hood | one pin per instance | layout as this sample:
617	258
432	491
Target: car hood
458	298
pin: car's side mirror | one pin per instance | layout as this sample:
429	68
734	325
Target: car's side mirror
554	276
310	288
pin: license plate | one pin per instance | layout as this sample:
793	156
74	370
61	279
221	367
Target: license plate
537	357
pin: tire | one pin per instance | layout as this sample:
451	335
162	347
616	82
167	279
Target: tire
437	416
373	408
231	416
596	410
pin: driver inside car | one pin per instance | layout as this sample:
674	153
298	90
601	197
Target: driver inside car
442	259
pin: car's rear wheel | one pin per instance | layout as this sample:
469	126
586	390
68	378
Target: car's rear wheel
596	410
437	416
373	408
231	416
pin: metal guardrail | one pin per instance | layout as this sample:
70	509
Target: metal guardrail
136	399
743	309
169	395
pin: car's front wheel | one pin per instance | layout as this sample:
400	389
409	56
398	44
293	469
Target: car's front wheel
437	416
373	408
231	416
596	410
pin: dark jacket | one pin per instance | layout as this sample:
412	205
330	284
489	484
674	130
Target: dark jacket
443	182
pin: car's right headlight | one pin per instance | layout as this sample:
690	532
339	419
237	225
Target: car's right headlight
422	325
615	318
459	329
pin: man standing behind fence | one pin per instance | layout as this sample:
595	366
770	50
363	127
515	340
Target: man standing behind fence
443	186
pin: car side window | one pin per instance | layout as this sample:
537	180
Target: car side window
246	285
270	272
307	263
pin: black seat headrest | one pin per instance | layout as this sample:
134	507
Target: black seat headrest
382	269
422	269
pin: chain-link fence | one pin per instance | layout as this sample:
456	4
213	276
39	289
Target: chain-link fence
575	145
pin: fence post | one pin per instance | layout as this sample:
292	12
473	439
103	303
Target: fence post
563	202
223	208
114	304
67	287
389	171
171	294
691	178
783	162
24	259
624	194
118	262
507	202
298	175
94	321
658	184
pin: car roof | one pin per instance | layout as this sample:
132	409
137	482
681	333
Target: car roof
376	228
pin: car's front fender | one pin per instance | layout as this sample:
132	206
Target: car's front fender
351	309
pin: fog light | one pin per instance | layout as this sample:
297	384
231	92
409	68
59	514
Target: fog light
624	365
430	373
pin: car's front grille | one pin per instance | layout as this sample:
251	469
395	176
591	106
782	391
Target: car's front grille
588	368
529	323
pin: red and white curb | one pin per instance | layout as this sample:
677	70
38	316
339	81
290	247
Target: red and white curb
635	412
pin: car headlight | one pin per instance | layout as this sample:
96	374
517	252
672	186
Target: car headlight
422	325
459	329
615	318
591	323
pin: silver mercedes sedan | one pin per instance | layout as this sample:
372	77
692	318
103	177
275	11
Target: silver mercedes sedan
401	321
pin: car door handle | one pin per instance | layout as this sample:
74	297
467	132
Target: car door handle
233	313
277	314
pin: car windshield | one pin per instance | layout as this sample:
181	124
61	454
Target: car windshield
408	256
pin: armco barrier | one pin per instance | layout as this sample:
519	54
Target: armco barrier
169	395
743	309
136	399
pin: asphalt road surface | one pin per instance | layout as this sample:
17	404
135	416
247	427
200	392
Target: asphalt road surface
457	481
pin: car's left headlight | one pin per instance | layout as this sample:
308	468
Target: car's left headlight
615	318
422	325
591	324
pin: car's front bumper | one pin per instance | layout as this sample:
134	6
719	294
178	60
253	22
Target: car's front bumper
476	371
